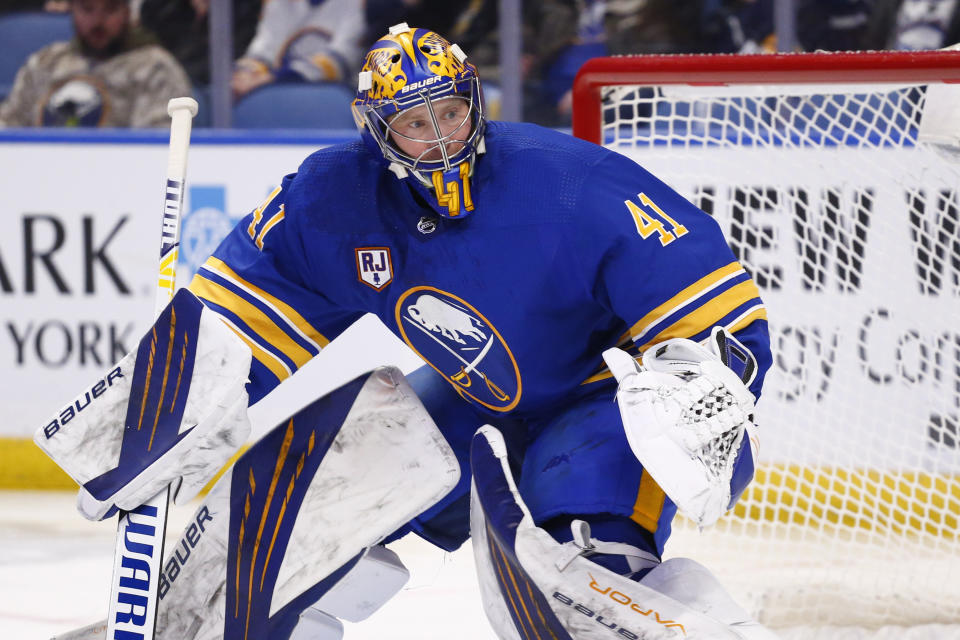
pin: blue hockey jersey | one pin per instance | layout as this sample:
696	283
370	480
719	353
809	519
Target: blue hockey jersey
571	249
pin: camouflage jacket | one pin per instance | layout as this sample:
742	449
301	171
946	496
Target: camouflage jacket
61	86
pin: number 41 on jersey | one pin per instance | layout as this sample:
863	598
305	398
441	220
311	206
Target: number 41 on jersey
656	222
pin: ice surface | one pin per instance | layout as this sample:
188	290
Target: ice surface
55	573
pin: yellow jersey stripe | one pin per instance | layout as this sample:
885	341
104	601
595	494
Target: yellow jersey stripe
602	375
256	319
707	315
758	312
686	296
281	308
276	366
649	504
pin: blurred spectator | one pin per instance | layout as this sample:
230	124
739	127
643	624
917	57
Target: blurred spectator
701	26
54	6
913	24
109	75
559	36
302	40
470	23
449	17
183	28
832	25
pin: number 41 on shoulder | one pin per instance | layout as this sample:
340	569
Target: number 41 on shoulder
656	222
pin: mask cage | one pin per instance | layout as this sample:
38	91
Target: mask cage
378	125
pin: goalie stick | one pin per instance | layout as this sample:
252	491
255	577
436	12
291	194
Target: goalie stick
139	548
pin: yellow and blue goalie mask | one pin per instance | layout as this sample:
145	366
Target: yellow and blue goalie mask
420	106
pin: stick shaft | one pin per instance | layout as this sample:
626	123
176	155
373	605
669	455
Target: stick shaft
138	555
181	114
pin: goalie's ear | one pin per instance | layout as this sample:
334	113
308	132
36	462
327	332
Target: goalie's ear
733	354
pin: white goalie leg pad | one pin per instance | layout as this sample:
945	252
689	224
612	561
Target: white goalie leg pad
685	415
378	576
292	517
533	586
171	412
694	585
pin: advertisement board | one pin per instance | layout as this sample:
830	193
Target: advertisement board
78	263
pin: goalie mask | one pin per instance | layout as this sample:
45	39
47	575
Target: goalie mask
419	105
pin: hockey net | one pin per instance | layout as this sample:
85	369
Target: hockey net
851	228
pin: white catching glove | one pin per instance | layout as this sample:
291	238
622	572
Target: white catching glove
171	412
685	414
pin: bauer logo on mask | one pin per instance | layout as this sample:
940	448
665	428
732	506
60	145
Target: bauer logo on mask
461	344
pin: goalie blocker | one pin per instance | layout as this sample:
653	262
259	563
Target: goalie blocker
172	412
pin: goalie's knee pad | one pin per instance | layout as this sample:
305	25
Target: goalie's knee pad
376	577
290	522
533	586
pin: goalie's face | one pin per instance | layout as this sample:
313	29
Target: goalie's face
433	131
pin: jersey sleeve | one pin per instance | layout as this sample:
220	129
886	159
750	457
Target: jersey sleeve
664	267
258	281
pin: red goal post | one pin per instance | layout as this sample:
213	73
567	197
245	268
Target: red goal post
727	69
813	166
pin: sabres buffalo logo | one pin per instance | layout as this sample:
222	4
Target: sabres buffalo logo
461	344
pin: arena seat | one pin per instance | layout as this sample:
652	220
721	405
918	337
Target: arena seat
295	106
22	33
204	117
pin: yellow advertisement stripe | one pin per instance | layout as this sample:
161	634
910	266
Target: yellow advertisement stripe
289	313
649	504
23	465
707	315
886	503
685	296
255	318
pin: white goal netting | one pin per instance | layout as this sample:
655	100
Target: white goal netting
850	229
